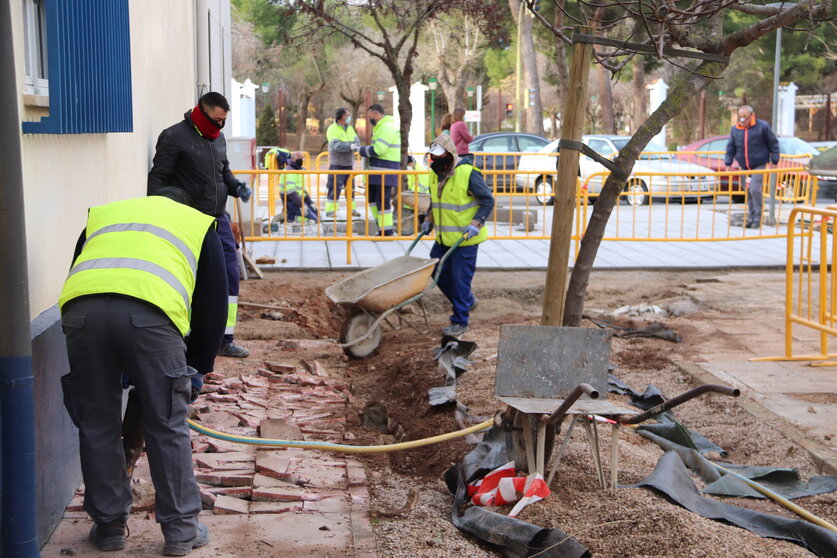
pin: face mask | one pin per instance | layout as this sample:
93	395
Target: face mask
298	162
373	122
348	119
440	165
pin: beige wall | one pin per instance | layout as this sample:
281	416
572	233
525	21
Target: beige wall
66	174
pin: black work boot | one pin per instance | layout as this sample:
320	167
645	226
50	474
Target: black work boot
182	548
108	536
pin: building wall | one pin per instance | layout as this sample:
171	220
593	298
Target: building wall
64	175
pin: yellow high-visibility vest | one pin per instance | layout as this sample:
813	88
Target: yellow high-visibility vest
454	211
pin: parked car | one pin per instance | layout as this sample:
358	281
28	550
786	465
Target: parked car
822	145
502	151
655	159
824	165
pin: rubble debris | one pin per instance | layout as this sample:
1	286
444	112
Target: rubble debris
375	416
409	505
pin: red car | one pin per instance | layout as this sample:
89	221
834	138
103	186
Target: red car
709	152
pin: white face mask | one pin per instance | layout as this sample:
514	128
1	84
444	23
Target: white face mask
348	119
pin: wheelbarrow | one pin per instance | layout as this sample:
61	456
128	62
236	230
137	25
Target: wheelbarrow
375	294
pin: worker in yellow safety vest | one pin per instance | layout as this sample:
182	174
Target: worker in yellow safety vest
298	204
146	272
384	154
276	157
341	137
460	202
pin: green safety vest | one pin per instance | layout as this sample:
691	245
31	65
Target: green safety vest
337	132
271	156
386	139
292	182
455	210
145	248
419	182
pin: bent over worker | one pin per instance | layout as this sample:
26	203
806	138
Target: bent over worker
146	272
384	153
192	155
460	201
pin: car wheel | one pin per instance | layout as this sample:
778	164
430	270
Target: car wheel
544	191
637	192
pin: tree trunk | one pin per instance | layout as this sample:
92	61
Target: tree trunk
302	117
534	109
560	64
606	102
692	83
638	84
405	113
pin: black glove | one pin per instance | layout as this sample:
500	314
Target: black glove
243	192
197	384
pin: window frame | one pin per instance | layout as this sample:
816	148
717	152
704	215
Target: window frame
35	49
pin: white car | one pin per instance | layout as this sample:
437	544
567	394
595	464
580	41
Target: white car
654	160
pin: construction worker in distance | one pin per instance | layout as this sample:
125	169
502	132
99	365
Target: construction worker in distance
384	154
299	208
271	157
417	182
341	136
146	272
460	201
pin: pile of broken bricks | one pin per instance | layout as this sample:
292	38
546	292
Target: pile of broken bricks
280	401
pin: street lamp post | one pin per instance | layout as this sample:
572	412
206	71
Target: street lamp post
470	91
432	83
777	68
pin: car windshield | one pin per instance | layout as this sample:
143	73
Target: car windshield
795	146
652	151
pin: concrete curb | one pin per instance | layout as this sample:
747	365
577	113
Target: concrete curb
824	457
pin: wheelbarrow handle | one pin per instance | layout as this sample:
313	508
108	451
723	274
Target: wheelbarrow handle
450	251
413	245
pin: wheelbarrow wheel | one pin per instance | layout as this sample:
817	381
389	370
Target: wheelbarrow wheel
356	326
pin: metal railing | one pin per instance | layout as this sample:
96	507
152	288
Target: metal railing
653	207
810	283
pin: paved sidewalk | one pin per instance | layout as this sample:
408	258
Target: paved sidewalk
259	501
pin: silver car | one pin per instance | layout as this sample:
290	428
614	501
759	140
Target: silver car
645	182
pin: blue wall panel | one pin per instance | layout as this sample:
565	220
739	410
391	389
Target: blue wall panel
89	68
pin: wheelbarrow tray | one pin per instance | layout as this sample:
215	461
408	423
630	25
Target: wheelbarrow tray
380	288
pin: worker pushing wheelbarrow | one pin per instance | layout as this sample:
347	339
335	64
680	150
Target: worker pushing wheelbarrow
460	203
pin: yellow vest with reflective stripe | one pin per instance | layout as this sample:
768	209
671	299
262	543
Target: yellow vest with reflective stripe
418	182
292	182
386	139
455	209
146	248
337	132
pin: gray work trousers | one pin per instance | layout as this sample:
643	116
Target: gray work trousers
106	335
755	195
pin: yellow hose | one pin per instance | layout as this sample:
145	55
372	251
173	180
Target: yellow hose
802	512
338	447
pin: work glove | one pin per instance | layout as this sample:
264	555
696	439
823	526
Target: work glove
471	231
197	384
426	227
355	147
243	192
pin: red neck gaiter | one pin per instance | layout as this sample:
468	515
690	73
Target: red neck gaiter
205	125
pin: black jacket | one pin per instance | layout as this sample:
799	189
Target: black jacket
188	160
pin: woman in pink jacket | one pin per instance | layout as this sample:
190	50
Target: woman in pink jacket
460	136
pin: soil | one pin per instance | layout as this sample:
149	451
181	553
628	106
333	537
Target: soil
628	523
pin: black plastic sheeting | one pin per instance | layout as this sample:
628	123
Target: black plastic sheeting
512	537
783	481
671	478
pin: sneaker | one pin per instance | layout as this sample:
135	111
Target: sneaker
753	225
182	548
234	351
108	536
455	330
474	305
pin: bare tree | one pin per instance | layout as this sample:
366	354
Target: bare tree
659	26
534	109
391	36
459	42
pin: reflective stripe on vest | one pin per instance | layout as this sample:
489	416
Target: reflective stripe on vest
145	248
456	209
337	132
291	182
386	139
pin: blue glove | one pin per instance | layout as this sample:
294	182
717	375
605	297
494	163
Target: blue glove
244	193
471	231
426	227
197	384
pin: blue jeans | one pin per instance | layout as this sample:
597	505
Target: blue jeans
455	278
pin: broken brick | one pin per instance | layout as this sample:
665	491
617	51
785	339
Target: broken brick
273	466
284	494
275	507
207	497
229	505
279	429
225	478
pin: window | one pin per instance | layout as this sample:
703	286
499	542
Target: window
601	147
497	144
89	65
530	145
35	48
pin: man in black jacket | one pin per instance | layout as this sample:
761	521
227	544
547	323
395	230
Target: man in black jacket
192	155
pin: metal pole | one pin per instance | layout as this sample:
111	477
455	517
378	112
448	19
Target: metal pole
17	412
702	114
777	67
519	112
828	117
